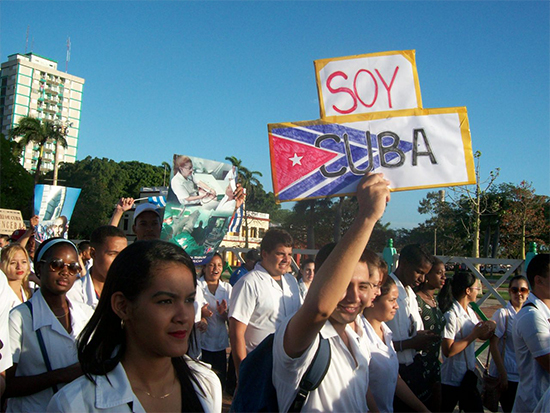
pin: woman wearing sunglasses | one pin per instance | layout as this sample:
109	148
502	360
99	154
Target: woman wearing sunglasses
43	331
502	343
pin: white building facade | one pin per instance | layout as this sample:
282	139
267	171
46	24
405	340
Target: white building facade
31	85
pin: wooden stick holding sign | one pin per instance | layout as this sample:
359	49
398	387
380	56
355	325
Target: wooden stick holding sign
415	149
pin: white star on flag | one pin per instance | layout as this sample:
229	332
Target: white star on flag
296	160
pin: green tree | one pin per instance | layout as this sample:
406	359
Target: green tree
524	218
39	132
16	184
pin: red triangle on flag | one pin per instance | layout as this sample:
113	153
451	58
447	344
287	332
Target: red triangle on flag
291	160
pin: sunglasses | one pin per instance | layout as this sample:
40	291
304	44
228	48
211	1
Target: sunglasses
516	290
57	264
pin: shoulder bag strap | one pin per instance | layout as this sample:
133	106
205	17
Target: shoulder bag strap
42	346
314	374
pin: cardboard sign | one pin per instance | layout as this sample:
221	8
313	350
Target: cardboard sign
10	220
415	149
199	205
376	82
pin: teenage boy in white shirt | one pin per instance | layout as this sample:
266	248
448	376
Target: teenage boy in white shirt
264	297
338	294
532	337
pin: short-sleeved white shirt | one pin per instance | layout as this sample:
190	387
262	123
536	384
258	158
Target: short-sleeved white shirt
383	366
501	317
60	345
343	389
216	337
5	307
407	320
83	291
113	392
259	302
531	340
460	323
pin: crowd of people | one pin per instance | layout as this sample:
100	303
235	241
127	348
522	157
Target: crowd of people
107	326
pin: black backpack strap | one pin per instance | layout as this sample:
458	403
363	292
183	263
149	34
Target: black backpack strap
42	346
314	374
529	304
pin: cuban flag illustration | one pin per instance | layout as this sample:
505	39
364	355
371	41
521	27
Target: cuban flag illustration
236	220
319	160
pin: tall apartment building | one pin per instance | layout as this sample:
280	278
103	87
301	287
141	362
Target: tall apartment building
31	85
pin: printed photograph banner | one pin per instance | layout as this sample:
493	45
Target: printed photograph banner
415	149
54	205
376	82
199	205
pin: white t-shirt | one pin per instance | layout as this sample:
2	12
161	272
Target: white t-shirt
259	302
83	291
113	392
216	337
383	366
343	389
60	345
531	340
501	317
459	324
407	320
5	307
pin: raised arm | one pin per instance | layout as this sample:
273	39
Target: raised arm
332	280
123	205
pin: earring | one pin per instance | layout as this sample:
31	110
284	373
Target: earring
122	324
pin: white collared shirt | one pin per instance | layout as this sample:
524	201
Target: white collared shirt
113	392
505	319
216	337
459	325
259	302
60	345
383	366
531	340
5	307
345	386
407	320
83	291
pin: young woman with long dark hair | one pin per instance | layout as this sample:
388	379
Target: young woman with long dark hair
133	349
458	380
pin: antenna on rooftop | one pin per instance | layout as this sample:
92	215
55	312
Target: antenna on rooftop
68	54
27	39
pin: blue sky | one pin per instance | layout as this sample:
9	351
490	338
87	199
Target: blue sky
205	78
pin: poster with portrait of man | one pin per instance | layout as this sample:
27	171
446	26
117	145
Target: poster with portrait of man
54	206
199	205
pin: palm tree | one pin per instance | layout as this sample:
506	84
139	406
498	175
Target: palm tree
39	132
249	182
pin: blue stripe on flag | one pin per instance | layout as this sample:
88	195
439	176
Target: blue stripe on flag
157	200
236	220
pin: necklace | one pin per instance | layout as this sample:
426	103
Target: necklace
430	297
163	396
62	315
